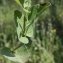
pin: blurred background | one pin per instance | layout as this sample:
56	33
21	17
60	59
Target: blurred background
48	31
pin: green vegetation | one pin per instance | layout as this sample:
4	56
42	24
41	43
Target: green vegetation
39	34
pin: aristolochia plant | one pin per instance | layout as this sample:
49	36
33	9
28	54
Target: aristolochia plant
24	20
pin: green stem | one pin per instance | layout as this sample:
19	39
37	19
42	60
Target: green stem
24	24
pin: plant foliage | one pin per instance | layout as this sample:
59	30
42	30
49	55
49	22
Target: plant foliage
24	20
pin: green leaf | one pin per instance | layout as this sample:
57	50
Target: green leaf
24	40
17	14
42	8
23	10
21	55
20	22
27	3
19	31
20	2
6	51
33	13
19	19
37	10
24	3
29	30
23	29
